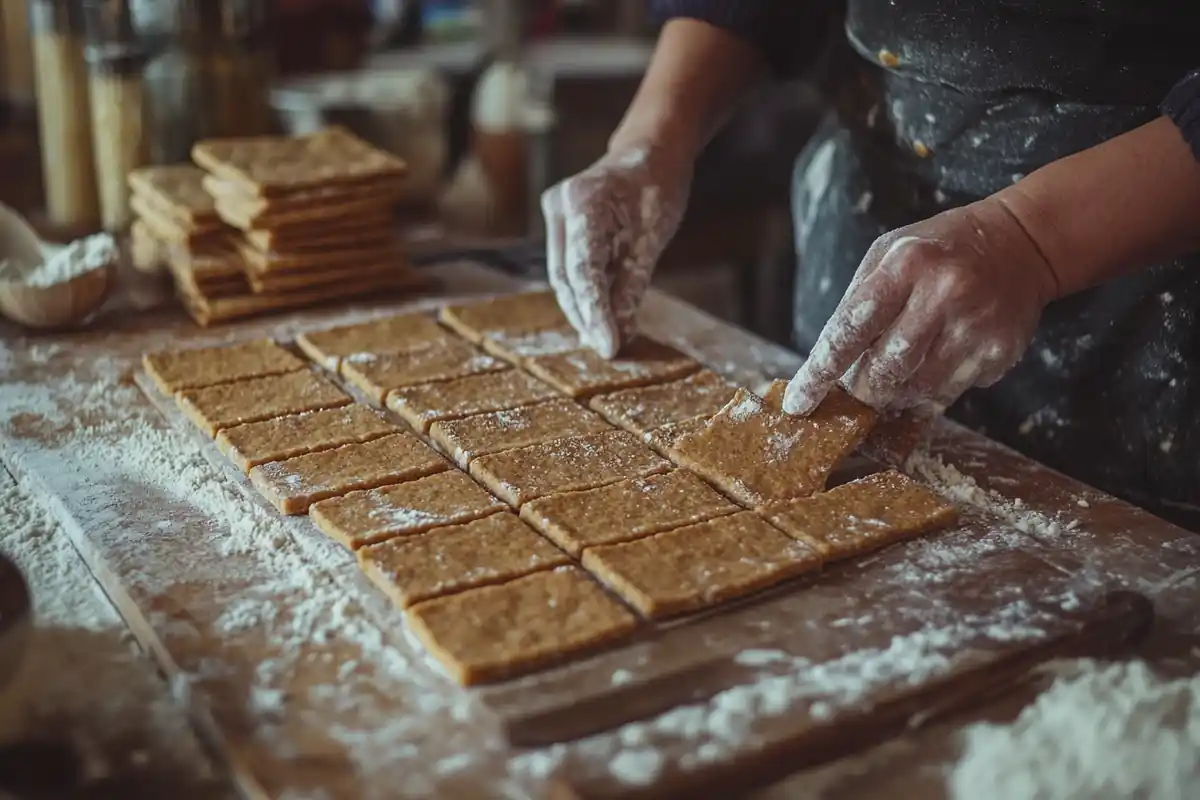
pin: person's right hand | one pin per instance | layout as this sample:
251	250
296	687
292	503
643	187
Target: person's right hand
605	230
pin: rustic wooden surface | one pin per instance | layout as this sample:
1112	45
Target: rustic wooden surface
995	588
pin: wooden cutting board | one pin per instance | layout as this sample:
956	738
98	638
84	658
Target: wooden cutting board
726	699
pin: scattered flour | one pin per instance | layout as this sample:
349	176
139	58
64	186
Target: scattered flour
1101	730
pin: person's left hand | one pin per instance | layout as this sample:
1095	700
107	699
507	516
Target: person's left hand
935	308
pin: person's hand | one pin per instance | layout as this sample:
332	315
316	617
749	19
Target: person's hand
935	308
605	230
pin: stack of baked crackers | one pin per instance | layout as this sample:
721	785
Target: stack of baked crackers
273	223
525	501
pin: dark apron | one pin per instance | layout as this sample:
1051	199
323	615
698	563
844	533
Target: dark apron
1107	392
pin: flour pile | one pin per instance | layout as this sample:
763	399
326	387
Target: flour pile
1101	731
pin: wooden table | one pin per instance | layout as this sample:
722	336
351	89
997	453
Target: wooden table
301	676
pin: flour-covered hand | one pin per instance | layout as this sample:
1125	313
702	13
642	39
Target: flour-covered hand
935	308
605	231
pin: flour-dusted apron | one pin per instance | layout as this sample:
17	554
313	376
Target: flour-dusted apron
978	97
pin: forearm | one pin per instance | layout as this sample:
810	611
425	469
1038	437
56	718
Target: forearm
694	80
1113	208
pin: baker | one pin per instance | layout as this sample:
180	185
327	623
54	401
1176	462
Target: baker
1003	195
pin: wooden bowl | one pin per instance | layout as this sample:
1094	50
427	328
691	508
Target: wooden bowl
57	305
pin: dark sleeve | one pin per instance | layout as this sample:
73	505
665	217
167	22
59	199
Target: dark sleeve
1182	105
782	30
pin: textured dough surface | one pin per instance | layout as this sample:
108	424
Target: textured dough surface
582	373
863	515
375	515
687	569
517	346
513	628
174	370
296	434
389	335
421	406
377	375
565	465
452	559
643	409
759	456
225	405
525	312
294	485
470	437
626	510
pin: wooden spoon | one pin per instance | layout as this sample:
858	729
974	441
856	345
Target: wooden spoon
28	292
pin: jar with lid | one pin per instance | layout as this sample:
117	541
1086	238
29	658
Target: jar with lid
208	75
116	55
64	127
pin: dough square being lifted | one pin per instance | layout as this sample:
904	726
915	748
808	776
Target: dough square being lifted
215	408
758	456
566	465
375	515
466	439
452	559
295	484
296	434
641	410
687	569
506	315
863	515
422	405
174	370
582	373
890	442
377	375
389	335
497	632
624	511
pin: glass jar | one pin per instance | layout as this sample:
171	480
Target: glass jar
64	124
116	54
209	74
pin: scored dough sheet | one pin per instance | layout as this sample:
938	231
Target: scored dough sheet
296	434
366	517
225	405
583	373
388	335
423	405
295	484
627	510
174	370
564	465
691	568
377	375
482	434
449	560
644	409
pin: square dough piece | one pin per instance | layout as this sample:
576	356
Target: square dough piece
582	373
687	569
376	375
566	465
641	410
890	442
508	314
863	515
421	406
456	558
215	408
367	517
503	631
661	440
517	346
758	456
286	437
466	439
294	485
391	335
174	370
626	510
